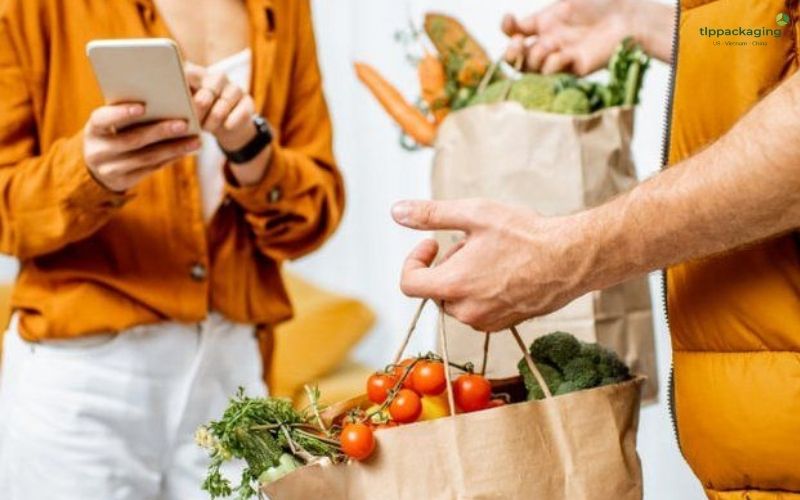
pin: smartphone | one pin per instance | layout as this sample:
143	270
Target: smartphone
146	70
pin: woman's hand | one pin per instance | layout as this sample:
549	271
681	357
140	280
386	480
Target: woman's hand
226	111
581	35
119	160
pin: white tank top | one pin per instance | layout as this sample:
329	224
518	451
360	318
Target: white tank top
210	158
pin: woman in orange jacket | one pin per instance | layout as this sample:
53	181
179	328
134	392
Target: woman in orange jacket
149	264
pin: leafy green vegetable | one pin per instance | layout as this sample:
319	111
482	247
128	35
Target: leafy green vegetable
261	431
569	365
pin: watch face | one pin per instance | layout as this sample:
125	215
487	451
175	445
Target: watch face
261	124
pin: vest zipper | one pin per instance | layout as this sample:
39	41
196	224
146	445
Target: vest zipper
664	161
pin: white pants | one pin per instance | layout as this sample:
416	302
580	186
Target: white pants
112	417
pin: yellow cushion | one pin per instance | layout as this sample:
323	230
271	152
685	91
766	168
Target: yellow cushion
325	328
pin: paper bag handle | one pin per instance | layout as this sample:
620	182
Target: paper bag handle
446	357
487	77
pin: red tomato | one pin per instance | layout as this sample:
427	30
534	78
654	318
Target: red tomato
378	386
428	378
357	441
472	392
496	402
406	406
400	369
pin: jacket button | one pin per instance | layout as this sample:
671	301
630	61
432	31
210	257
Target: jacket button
198	272
114	203
275	195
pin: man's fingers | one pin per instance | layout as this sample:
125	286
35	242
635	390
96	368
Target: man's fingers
526	26
416	280
555	62
515	50
538	52
452	250
429	215
106	119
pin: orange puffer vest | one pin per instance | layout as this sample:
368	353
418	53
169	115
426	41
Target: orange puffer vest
735	318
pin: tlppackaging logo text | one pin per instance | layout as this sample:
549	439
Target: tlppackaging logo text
740	32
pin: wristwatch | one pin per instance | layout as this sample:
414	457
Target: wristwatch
256	145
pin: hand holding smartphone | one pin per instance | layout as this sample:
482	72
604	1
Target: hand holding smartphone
148	119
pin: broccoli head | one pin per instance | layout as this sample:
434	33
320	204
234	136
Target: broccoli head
533	91
571	101
569	365
608	364
582	373
558	349
551	376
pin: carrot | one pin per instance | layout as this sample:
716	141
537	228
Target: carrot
432	80
439	114
471	73
410	119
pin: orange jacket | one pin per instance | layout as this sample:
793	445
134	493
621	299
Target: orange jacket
94	261
735	317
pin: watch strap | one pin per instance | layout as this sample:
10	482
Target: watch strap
257	144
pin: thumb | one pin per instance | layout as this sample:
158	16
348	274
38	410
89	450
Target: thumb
426	215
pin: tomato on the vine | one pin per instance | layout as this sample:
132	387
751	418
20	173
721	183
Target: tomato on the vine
405	407
472	392
428	378
400	369
357	441
379	385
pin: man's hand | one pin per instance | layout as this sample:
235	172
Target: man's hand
226	111
119	160
580	36
512	265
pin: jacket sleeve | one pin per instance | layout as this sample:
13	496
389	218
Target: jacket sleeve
47	199
300	200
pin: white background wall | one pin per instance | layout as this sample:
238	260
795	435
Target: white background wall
365	256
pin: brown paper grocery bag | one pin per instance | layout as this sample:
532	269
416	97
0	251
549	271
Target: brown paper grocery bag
579	446
555	164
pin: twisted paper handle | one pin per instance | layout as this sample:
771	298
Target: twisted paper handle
446	355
